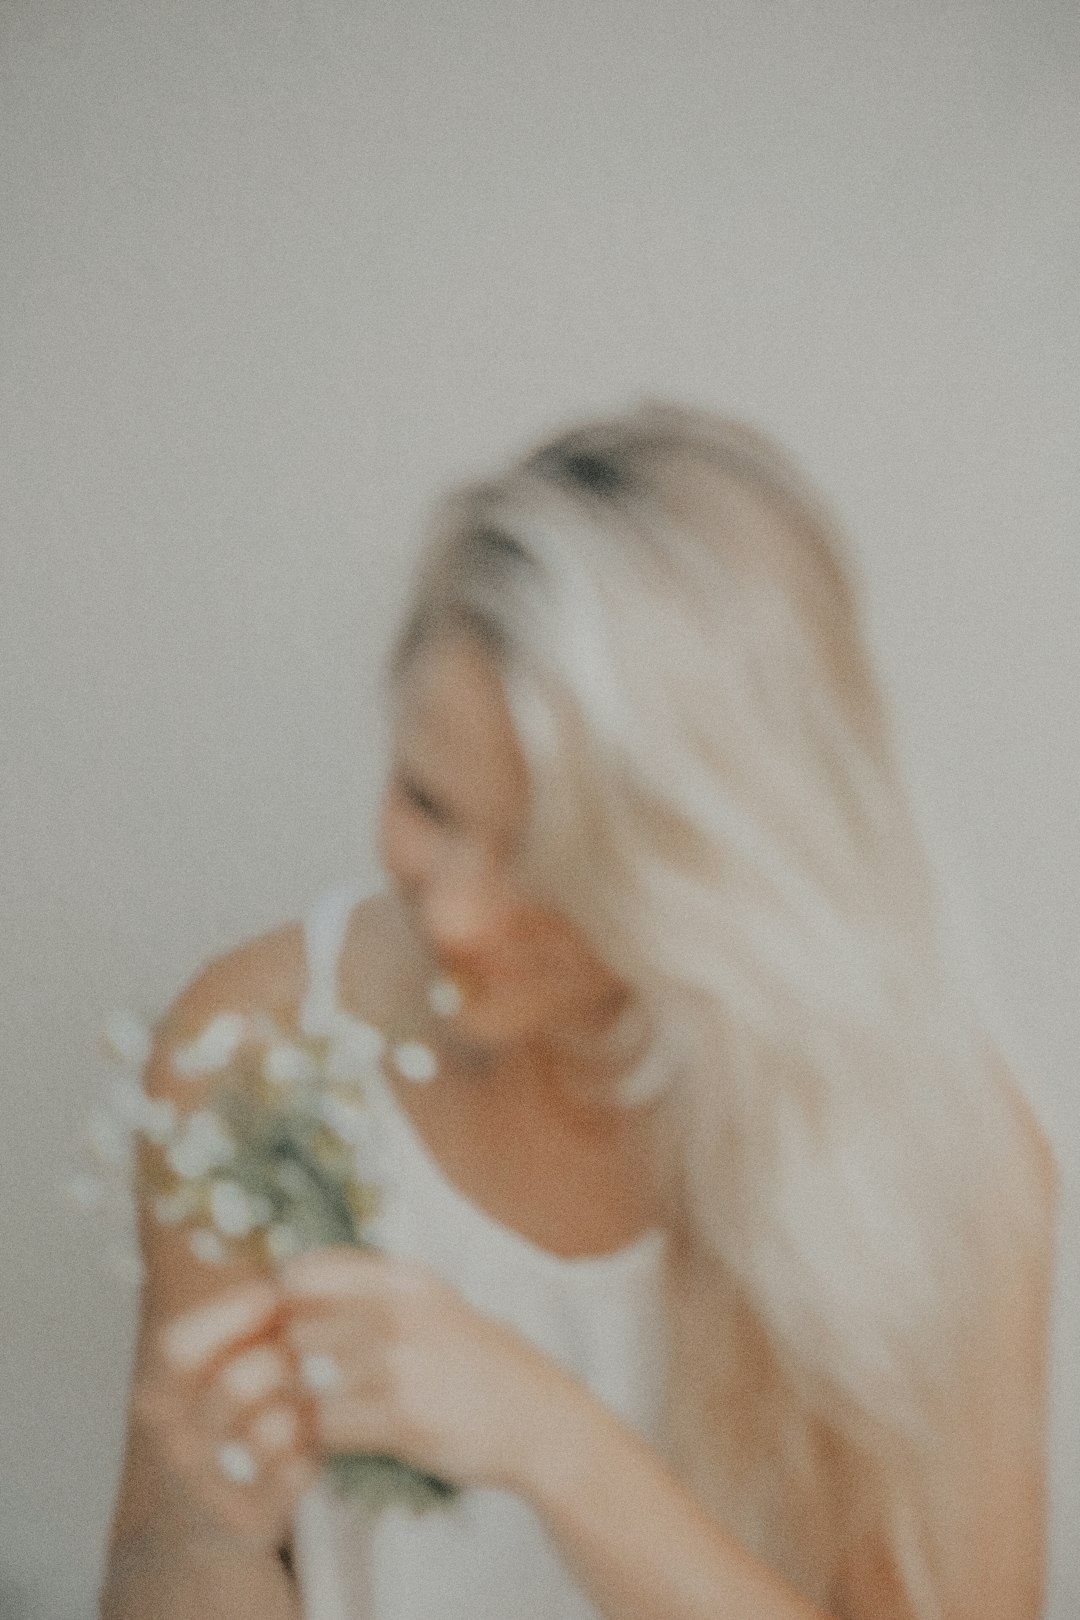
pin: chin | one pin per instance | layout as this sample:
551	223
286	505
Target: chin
487	1027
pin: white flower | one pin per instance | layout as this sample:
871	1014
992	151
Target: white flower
230	1209
236	1463
128	1039
284	1064
202	1145
213	1049
445	998
206	1246
415	1061
318	1017
86	1192
107	1139
132	1108
282	1242
185	1161
347	1119
321	1373
159	1119
125	1101
355	1049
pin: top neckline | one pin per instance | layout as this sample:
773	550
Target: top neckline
326	926
642	1250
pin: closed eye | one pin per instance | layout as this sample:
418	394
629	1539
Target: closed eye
423	801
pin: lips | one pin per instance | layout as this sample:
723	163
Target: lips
469	977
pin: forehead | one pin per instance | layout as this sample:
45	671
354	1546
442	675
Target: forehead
454	725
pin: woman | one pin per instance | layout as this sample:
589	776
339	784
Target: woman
719	1272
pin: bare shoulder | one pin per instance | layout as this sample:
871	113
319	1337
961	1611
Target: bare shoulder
266	973
1041	1163
1037	1144
263	974
1021	1309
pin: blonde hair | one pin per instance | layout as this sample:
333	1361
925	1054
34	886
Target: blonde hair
717	803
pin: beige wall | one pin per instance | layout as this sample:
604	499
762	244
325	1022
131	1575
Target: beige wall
271	273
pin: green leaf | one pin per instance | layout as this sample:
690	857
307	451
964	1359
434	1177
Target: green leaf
378	1481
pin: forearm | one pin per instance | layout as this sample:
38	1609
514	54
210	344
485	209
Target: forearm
149	1577
638	1542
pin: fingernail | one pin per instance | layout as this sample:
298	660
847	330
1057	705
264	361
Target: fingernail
276	1428
193	1338
254	1374
236	1463
321	1373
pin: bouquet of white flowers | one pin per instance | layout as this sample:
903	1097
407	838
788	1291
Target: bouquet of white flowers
276	1158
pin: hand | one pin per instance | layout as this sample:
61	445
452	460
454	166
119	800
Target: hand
221	1398
401	1364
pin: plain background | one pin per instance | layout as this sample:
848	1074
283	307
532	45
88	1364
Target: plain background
272	274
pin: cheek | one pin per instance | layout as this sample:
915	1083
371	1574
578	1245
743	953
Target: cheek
562	960
403	846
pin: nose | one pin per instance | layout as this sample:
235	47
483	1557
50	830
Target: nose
462	908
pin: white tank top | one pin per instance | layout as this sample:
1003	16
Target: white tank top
486	1556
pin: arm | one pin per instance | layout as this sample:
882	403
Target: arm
644	1549
424	1376
157	1579
168	1558
637	1540
171	1557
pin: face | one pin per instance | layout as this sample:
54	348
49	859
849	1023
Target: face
452	822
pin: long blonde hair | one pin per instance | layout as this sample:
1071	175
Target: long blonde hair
717	803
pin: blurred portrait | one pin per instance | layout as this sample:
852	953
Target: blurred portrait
537	614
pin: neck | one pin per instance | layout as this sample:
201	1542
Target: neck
584	1059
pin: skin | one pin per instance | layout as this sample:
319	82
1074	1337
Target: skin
424	1375
219	1347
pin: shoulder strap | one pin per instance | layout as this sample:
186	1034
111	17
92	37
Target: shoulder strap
325	922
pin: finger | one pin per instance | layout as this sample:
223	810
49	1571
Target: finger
361	1420
243	1384
353	1338
262	1440
325	1276
276	1430
189	1342
252	1479
279	1439
264	1509
339	1362
274	1437
252	1375
187	1422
